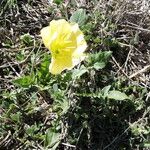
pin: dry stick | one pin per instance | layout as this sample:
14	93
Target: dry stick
116	138
137	28
140	71
5	139
14	70
17	63
69	145
128	56
130	125
13	64
120	68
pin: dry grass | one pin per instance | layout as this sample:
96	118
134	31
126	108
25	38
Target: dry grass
126	24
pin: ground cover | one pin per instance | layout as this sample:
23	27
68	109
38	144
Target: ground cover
103	103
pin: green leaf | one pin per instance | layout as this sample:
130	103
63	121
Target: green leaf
77	73
105	91
52	139
20	56
58	1
147	145
16	117
27	39
99	60
43	74
99	65
31	129
24	81
64	106
55	87
79	17
44	67
117	95
61	102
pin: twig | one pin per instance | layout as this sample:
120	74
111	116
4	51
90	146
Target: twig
16	63
127	58
120	68
69	145
130	126
140	71
117	137
137	28
6	138
13	69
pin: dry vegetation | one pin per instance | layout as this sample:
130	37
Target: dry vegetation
71	111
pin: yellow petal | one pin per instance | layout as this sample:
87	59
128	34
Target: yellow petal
60	63
67	45
46	36
66	39
81	43
78	54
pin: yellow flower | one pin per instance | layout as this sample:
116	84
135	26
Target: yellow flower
66	44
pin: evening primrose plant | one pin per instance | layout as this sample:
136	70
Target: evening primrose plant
66	43
88	105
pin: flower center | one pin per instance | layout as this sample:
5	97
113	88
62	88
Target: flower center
57	52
